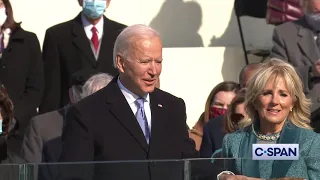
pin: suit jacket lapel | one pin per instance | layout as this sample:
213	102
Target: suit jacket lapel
306	41
81	41
157	117
122	111
290	135
105	42
248	166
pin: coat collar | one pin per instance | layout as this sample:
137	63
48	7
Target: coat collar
290	135
81	41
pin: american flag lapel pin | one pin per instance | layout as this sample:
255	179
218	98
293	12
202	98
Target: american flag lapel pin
160	105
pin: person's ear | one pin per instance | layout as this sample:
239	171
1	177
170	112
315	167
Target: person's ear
120	63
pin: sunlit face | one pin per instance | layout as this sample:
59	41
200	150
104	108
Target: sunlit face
141	70
222	99
274	103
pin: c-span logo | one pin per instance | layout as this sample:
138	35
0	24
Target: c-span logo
275	151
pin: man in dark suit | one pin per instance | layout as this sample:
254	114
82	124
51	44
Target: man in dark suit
42	141
85	41
298	42
129	119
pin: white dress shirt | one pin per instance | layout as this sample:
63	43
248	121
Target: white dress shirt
88	26
88	30
131	98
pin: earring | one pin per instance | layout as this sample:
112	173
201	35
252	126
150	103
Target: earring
290	109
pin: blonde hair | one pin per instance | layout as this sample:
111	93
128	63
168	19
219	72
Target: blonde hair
275	69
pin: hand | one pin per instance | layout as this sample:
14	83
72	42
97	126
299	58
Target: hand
316	68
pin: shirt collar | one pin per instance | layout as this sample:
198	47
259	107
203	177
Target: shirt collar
87	25
130	96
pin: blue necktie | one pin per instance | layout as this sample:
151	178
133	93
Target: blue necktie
142	119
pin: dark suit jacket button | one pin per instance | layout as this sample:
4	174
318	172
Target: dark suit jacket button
4	66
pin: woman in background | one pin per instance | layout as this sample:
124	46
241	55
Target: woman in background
6	127
234	119
21	72
7	156
216	105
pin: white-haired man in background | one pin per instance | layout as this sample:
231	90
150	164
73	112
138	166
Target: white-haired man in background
42	142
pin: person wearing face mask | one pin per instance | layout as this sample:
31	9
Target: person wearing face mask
214	130
21	72
83	42
216	105
298	42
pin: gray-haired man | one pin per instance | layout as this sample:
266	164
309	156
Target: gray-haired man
42	139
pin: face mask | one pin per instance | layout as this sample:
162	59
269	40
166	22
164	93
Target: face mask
215	112
94	9
313	20
3	16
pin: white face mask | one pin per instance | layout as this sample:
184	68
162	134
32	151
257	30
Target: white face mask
3	16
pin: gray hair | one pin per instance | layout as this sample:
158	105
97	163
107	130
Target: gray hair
95	83
76	93
125	39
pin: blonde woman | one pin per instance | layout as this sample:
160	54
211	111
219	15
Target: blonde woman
280	113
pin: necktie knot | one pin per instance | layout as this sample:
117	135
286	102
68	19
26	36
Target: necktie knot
94	29
140	102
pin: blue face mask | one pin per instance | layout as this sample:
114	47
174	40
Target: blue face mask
94	9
